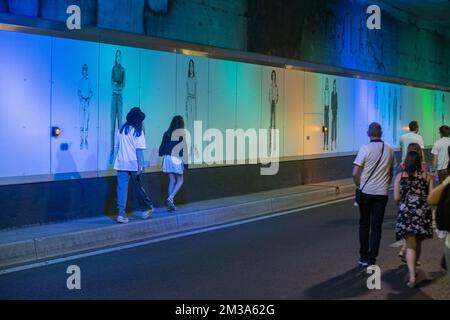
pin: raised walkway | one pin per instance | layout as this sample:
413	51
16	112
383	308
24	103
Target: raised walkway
35	243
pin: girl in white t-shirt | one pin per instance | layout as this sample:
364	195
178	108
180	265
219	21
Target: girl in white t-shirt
129	163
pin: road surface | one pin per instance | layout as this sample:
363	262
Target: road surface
309	254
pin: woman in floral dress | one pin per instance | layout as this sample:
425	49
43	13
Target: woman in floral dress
414	221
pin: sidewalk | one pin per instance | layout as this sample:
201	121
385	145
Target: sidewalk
34	243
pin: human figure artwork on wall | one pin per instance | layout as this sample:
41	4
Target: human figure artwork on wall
191	105
389	110
438	111
326	115
334	110
376	103
118	85
85	93
394	116
443	109
383	106
273	100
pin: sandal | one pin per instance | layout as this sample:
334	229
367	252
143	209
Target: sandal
402	257
411	284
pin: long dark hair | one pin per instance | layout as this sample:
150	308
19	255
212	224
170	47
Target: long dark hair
191	74
417	148
138	128
412	163
176	123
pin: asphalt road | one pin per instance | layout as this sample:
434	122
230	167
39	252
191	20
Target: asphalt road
309	254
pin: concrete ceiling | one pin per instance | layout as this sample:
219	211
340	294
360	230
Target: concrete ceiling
435	12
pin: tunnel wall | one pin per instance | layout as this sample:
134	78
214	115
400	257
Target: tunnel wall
316	115
58	177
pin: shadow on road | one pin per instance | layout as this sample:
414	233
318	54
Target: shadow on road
397	278
351	284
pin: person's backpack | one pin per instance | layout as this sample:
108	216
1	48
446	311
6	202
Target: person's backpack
443	210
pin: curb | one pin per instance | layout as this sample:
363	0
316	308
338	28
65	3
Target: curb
63	244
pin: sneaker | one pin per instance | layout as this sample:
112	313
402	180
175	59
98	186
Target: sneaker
363	262
146	214
121	219
170	205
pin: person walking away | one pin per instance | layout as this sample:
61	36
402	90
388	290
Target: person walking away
174	153
411	137
129	162
414	220
440	153
372	174
424	167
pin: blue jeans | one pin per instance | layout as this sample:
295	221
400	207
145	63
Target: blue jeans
123	177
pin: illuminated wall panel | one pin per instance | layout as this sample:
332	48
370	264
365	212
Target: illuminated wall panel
25	104
248	111
192	94
441	110
222	96
293	115
75	107
119	77
365	95
342	113
272	103
158	93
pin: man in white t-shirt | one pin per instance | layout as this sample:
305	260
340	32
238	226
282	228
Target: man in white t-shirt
440	153
372	174
411	137
130	145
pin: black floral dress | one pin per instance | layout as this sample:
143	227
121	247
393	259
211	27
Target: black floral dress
414	214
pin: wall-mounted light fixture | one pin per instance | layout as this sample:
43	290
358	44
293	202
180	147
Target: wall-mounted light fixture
56	131
193	53
324	129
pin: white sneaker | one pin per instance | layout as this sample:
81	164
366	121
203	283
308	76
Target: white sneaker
170	206
146	214
121	219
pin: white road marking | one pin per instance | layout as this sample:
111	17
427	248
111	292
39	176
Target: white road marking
151	241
